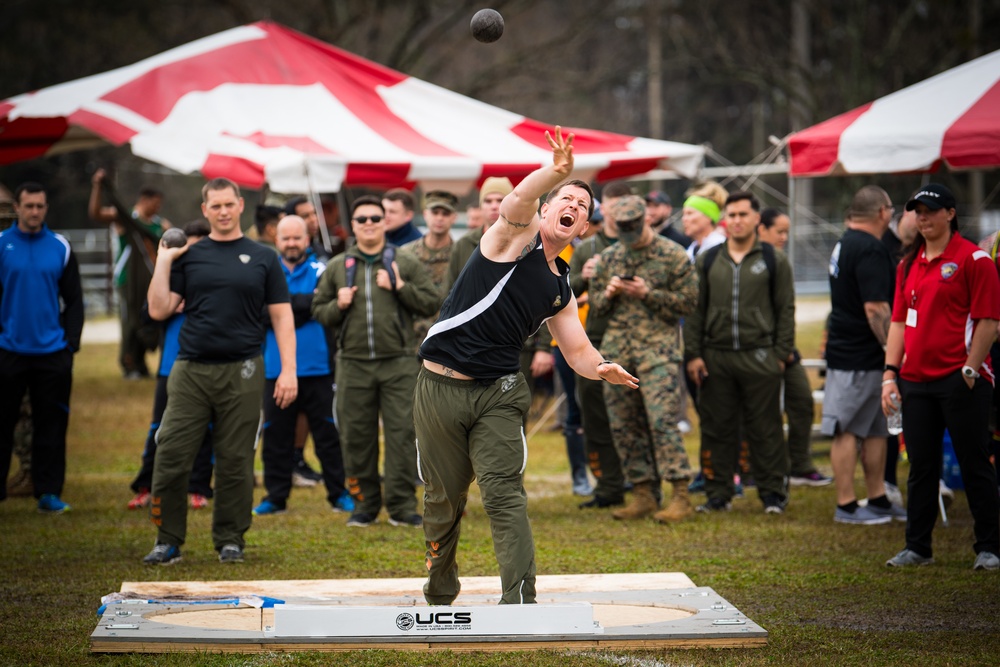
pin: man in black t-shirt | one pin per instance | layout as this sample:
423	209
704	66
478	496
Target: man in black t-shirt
861	281
225	281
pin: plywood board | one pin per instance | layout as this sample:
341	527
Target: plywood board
635	611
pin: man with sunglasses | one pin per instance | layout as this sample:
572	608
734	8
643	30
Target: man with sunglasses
369	295
471	399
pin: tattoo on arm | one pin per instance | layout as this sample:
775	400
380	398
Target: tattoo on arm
528	248
449	373
518	225
879	318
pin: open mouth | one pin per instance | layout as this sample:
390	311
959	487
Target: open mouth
567	220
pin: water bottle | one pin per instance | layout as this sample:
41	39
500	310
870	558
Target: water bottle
895	419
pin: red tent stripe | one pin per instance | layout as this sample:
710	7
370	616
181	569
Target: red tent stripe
246	173
376	174
626	168
814	151
20	138
974	139
103	126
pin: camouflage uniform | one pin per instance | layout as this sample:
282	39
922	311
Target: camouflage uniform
644	336
435	260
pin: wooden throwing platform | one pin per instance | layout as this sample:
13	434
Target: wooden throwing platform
635	611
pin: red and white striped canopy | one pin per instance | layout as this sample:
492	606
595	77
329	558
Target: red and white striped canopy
263	103
952	118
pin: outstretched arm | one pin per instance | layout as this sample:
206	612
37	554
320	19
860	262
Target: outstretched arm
519	209
580	354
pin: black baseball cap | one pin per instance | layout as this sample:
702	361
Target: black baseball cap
934	196
658	197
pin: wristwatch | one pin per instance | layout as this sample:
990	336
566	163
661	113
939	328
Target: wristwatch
970	372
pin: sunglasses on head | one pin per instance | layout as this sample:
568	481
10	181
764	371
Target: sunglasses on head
362	219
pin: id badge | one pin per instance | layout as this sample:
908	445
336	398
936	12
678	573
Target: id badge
911	317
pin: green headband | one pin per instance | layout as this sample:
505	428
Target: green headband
705	205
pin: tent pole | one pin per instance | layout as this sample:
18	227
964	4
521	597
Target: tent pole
318	205
793	214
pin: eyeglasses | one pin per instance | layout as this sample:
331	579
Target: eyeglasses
892	209
362	219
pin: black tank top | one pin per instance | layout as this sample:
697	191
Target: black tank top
492	309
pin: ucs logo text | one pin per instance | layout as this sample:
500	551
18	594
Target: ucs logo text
445	618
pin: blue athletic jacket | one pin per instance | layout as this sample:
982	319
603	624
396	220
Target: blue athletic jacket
312	353
35	271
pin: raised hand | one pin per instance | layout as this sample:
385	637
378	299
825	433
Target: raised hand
562	151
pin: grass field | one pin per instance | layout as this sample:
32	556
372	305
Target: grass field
819	588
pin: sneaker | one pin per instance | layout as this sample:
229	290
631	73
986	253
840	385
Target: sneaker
231	553
163	554
863	516
197	501
20	485
812	479
343	503
361	519
50	503
774	504
986	561
894	495
714	505
947	495
906	558
581	485
897	512
597	502
140	500
303	475
413	520
267	507
697	485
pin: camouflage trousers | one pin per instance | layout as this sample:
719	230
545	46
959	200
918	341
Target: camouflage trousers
644	423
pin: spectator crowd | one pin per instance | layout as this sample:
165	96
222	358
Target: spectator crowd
410	358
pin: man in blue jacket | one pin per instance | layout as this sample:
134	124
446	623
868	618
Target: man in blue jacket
314	363
37	341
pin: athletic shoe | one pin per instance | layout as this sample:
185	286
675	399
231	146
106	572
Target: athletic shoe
581	485
141	500
986	561
714	505
343	503
231	553
361	519
267	507
50	503
20	485
597	502
863	516
697	485
197	501
163	554
894	495
905	558
774	504
947	495
412	521
897	512
303	475
812	479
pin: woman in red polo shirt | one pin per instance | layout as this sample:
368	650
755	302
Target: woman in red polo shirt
944	320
